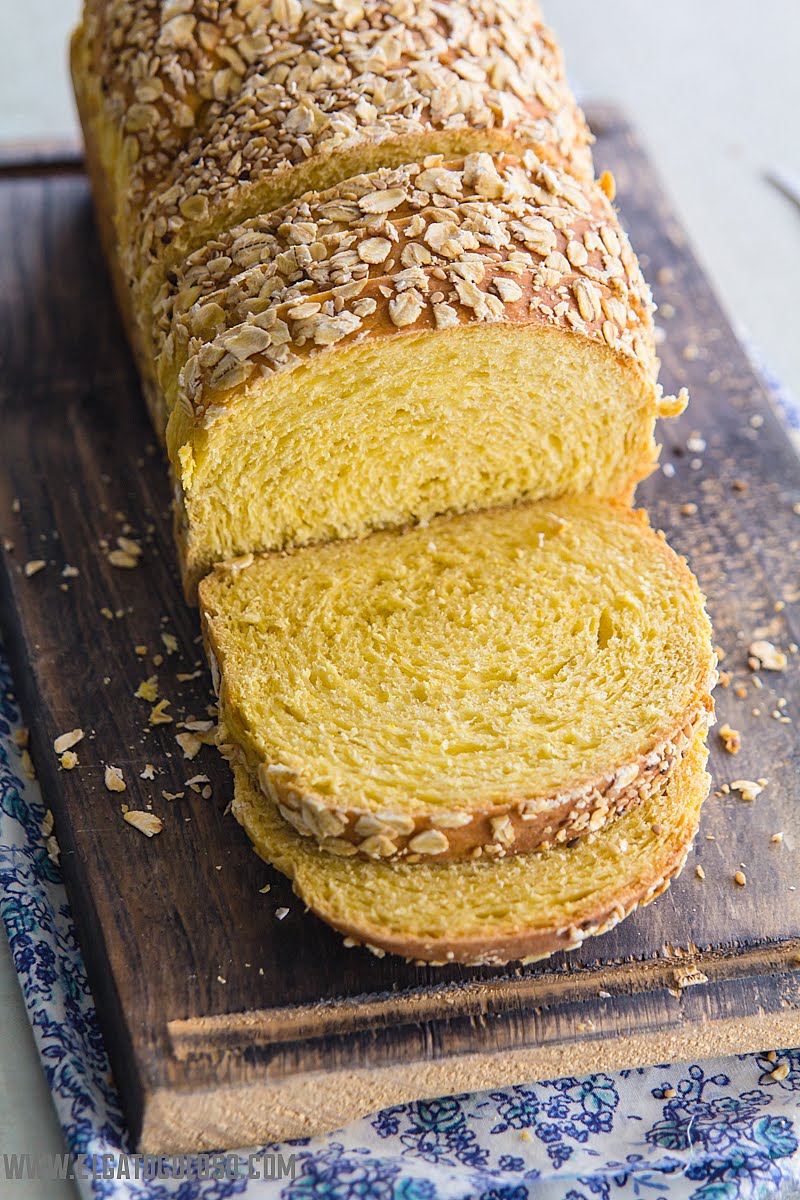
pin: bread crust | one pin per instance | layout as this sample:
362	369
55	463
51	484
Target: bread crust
689	783
494	239
525	824
138	340
519	827
219	113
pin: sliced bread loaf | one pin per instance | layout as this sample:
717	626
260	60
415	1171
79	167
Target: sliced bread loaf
525	907
434	338
491	684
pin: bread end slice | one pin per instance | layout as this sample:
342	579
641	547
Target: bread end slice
524	907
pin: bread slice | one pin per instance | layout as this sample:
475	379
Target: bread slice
200	118
406	221
437	338
487	685
525	907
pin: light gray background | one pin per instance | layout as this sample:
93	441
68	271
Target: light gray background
714	89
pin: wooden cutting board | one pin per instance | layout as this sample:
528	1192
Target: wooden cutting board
226	1026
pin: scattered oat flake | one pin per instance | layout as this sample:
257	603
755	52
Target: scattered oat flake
53	850
197	779
120	558
183	677
148	690
748	789
173	795
140	650
48	823
189	743
22	736
146	822
34	566
149	772
263	891
280	913
114	780
766	656
731	738
159	715
699	872
221	979
65	741
780	1072
69	572
777	837
171	642
129	546
68	760
26	762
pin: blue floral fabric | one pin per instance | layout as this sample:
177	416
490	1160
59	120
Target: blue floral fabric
717	1130
706	1131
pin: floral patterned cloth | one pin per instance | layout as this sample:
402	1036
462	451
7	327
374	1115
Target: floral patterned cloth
715	1130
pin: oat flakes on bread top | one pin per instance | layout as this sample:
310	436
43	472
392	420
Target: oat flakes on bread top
204	112
485	686
465	333
526	907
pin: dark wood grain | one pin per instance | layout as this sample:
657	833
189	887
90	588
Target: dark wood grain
222	1023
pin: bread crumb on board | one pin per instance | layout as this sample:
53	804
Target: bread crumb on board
684	977
159	715
65	741
763	655
148	690
748	789
731	738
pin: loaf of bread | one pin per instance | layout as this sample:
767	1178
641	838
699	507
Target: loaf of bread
524	907
402	359
490	684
